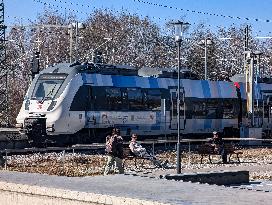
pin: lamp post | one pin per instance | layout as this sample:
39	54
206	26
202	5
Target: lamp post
178	38
77	26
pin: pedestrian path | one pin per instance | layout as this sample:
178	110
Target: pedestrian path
124	190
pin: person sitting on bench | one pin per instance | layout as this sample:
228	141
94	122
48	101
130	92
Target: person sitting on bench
218	146
140	151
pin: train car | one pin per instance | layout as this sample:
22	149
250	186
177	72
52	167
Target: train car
80	103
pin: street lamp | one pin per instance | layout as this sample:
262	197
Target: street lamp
206	42
178	38
77	26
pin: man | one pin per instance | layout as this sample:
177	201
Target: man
218	145
138	150
114	150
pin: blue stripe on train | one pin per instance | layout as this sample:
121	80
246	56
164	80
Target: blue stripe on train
207	123
153	83
206	89
84	78
124	81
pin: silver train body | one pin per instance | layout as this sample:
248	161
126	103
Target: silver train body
81	103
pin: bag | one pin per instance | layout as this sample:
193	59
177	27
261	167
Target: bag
111	144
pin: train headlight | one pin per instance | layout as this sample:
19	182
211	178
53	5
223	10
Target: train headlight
50	128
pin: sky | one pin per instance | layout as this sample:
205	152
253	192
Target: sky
215	13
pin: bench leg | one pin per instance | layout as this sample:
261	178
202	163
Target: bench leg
229	157
210	159
135	162
142	164
237	155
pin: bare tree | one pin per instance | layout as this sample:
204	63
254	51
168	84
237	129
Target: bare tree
123	39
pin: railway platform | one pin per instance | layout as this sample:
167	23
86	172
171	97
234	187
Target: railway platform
128	189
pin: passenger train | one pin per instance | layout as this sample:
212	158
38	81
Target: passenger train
80	103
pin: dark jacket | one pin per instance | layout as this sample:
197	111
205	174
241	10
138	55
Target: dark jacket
114	146
119	148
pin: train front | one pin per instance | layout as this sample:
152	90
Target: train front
41	107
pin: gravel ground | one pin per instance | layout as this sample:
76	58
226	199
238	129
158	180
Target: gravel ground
258	161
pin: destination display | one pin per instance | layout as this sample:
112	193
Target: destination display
55	76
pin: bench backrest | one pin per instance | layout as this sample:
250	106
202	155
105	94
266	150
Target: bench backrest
205	149
208	149
127	152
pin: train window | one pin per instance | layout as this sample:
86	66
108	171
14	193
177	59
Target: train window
80	101
154	99
47	86
199	109
99	98
229	108
135	99
46	89
124	99
213	109
114	98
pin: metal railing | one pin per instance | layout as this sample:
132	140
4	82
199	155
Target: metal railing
152	143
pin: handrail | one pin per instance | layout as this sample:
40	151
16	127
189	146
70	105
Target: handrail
102	145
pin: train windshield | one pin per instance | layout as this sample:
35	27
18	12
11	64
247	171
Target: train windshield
47	86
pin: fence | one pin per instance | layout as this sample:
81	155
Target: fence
152	143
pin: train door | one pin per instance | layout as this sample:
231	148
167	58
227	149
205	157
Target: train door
174	111
267	109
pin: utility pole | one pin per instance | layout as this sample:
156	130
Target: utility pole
77	26
206	71
4	107
71	42
246	47
206	42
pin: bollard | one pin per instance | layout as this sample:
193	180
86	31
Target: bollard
63	159
189	153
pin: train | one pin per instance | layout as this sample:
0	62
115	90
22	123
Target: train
71	103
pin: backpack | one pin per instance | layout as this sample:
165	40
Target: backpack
111	144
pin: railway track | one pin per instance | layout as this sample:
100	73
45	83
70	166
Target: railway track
11	138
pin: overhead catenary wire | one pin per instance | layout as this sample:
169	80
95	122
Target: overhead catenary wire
151	17
121	12
205	13
115	11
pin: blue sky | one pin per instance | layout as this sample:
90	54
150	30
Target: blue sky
252	9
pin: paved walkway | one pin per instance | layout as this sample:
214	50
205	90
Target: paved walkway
151	190
252	167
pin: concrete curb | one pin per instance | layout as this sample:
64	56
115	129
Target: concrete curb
62	194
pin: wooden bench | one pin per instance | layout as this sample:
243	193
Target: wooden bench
208	150
128	155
